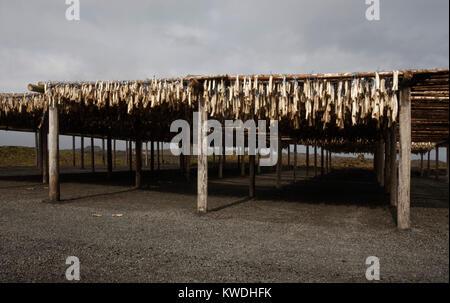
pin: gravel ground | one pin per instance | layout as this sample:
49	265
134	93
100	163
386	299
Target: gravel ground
316	230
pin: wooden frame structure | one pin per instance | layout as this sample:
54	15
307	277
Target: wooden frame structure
329	111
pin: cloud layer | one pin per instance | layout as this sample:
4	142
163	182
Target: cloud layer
138	39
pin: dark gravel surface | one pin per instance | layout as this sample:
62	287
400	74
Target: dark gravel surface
318	230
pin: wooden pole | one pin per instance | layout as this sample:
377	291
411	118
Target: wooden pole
158	151
251	169
187	167
222	154
54	190
44	151
421	164
386	164
109	156
92	155
182	166
295	161
39	151
404	192
202	162
393	164
115	155
258	167
103	152
321	162
289	156
36	149
447	163
429	163
146	154
238	158
138	156
327	161
82	151
437	163
307	161
162	153
375	163
74	164
381	159
331	163
130	155
127	154
152	155
279	163
243	164
315	160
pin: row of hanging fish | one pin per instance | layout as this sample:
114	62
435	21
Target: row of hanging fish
21	103
315	101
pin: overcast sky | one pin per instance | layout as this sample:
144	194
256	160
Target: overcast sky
129	40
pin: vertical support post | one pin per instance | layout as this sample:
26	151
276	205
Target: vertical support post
202	162
187	167
115	155
243	164
387	161
74	164
279	163
39	150
138	155
289	156
109	156
36	149
393	165
251	173
82	151
326	161
404	192
92	155
127	154
380	162
238	157
447	162
152	155
258	167
182	166
315	160
146	154
429	163
44	151
331	163
103	152
295	161
375	163
54	190
321	162
162	153
421	164
130	155
307	161
221	158
437	163
158	151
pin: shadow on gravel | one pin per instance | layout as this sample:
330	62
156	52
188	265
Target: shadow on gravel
340	187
